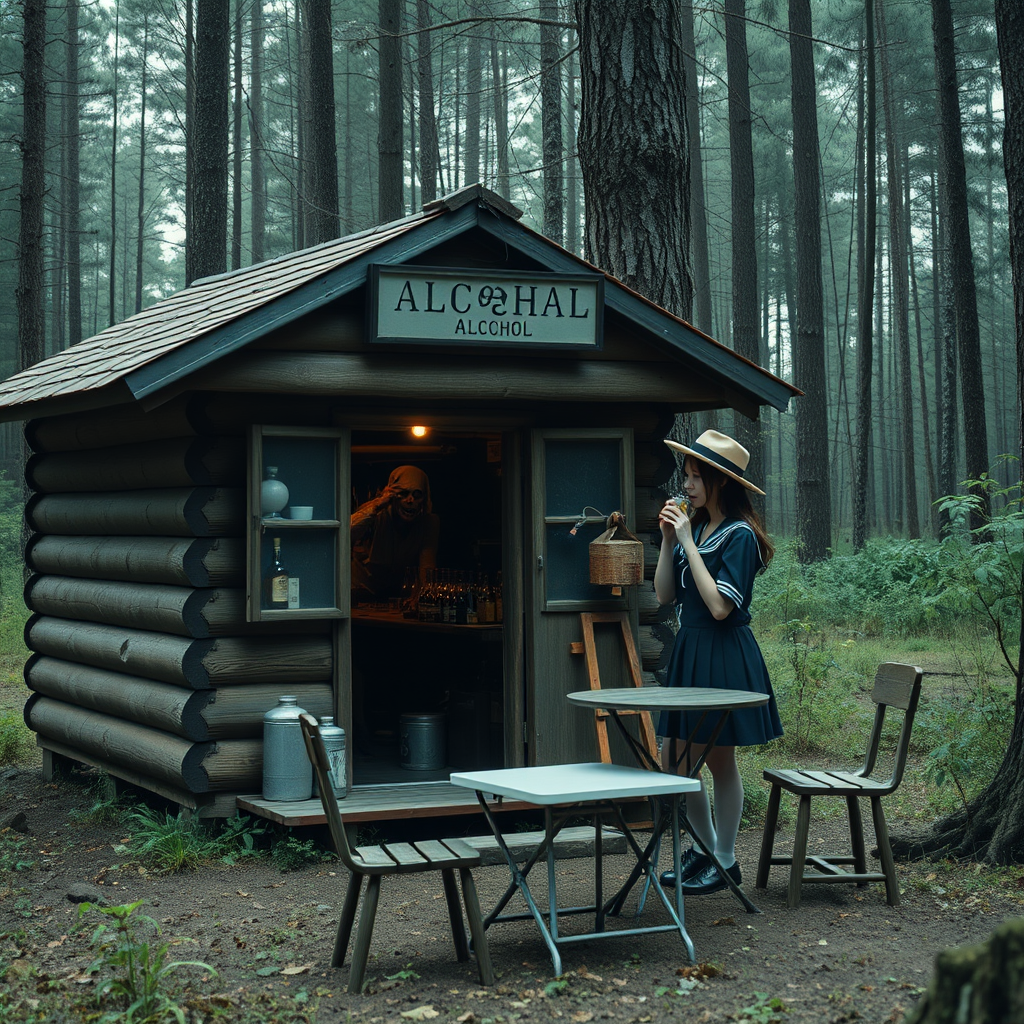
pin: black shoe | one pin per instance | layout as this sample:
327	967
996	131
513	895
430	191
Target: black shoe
709	880
693	862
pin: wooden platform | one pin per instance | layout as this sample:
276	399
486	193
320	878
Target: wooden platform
379	803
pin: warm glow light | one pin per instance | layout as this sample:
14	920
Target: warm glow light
419	431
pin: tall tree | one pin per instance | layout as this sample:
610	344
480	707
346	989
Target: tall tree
72	201
955	210
633	148
551	119
474	108
898	250
257	173
428	123
697	202
499	76
389	128
112	276
990	827
207	237
140	214
29	293
323	146
814	507
236	142
745	332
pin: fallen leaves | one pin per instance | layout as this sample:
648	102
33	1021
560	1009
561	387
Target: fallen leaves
421	1013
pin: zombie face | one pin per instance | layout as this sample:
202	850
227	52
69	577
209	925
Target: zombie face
411	492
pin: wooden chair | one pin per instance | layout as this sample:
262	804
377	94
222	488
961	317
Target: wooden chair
897	687
374	862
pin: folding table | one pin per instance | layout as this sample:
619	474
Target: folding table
691	700
565	791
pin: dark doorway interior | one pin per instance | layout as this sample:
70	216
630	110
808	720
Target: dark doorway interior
428	692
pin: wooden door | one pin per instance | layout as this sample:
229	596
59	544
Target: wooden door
582	474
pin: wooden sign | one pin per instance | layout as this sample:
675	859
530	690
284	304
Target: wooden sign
441	305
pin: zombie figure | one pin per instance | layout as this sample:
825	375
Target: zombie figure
393	532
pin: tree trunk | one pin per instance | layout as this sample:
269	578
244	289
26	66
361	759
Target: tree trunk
31	322
257	175
814	507
322	151
991	827
866	297
633	148
474	84
900	282
140	219
389	132
236	143
112	263
499	76
206	242
551	120
955	211
745	340
698	209
73	236
428	124
572	212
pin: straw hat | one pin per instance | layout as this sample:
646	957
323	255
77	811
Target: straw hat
722	452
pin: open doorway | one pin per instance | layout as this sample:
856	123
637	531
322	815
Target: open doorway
428	692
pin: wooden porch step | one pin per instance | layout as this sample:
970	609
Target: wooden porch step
379	803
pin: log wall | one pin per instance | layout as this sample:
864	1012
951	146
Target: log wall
142	658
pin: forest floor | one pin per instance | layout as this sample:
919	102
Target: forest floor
843	955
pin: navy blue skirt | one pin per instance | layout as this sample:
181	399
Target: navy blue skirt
725	657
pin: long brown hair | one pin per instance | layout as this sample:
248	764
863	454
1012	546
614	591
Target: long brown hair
734	501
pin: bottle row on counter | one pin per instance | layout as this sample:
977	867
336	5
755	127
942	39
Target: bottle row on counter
452	596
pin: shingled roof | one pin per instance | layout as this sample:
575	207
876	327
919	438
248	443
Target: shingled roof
218	315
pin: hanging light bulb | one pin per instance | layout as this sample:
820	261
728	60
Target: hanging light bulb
419	431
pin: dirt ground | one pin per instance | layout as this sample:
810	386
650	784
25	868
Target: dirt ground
844	955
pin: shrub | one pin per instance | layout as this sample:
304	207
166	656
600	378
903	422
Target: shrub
177	843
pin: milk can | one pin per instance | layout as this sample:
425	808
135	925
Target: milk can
287	773
334	743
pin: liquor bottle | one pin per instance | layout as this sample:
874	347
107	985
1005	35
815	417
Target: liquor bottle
461	600
487	611
275	581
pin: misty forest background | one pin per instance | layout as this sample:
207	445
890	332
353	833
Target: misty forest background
178	139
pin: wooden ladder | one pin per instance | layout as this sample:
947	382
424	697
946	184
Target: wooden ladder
588	647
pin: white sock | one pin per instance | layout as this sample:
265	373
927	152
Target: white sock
698	810
728	814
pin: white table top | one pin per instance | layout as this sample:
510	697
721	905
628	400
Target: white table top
570	783
668	698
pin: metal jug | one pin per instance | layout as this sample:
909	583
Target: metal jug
334	742
287	773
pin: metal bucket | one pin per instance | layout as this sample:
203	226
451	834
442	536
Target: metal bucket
422	742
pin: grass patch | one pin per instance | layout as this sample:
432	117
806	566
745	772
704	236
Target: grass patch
16	739
169	843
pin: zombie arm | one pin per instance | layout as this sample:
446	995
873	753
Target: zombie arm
361	521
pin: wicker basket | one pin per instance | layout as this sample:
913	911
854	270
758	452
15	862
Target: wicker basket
617	556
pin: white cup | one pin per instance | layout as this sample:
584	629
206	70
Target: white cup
300	512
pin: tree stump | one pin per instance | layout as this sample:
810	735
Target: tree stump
982	984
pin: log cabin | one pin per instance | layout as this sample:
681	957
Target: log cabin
531	388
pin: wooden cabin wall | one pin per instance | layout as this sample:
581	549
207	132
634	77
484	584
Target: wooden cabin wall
143	663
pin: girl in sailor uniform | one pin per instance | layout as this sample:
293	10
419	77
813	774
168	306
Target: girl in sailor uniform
706	568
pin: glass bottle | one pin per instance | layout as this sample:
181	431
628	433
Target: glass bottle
486	612
275	581
461	600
